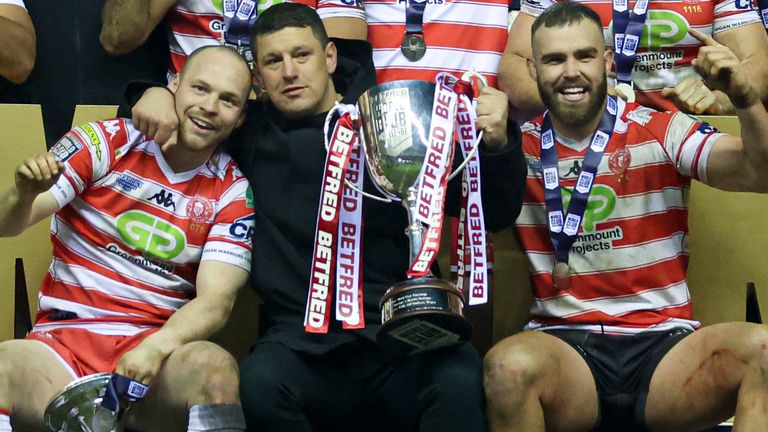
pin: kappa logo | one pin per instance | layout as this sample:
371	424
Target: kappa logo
112	127
163	198
602	202
147	233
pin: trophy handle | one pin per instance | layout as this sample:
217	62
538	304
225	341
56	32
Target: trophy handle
352	109
482	82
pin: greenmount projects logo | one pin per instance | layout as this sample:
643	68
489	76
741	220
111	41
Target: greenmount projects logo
149	234
602	202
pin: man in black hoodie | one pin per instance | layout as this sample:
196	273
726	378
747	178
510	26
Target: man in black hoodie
342	380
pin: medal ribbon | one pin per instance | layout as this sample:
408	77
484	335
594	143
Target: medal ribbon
319	298
433	178
563	231
472	230
627	30
121	386
239	17
763	9
414	17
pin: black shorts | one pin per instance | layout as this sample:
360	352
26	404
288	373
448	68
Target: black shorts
622	367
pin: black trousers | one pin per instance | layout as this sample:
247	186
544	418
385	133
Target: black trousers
361	388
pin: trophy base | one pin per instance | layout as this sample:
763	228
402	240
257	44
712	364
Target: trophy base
78	407
422	315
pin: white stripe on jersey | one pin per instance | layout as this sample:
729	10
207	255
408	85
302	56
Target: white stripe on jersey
618	258
567	305
91	280
669	324
439	59
108	329
83	311
465	14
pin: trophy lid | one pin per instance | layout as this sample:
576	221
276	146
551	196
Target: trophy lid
78	407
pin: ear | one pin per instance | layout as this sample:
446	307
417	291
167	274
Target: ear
174	84
331	57
532	72
608	58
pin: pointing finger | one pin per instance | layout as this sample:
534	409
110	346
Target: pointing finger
703	38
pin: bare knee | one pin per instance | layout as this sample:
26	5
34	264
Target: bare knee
510	369
212	373
758	352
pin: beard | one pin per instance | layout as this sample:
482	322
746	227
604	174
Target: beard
572	115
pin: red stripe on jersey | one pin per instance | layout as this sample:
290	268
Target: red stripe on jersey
491	39
393	74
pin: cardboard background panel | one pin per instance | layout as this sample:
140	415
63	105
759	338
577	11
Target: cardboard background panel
21	129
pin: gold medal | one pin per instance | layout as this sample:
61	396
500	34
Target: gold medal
626	91
561	274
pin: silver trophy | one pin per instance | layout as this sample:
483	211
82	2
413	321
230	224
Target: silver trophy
78	407
422	313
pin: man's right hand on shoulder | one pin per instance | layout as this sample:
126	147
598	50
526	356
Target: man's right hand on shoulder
37	174
155	116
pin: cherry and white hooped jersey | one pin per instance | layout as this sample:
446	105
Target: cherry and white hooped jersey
461	35
666	49
629	260
199	23
130	233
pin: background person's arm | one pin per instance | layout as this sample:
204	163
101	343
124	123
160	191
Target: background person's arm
17	43
514	78
126	24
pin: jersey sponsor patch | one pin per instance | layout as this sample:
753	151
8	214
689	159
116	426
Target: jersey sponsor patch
242	229
67	146
93	140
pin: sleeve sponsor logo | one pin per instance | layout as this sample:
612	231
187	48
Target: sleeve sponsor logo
242	229
67	146
249	197
706	129
743	4
145	232
94	140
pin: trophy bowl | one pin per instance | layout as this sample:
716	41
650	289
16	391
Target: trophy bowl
78	407
424	313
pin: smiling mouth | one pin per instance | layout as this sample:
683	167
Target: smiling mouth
202	124
573	93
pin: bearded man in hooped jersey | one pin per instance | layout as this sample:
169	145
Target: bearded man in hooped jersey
611	344
654	62
148	257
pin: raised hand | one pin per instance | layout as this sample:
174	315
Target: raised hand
492	110
37	174
722	70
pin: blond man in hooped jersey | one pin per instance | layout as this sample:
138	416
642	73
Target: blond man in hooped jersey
150	247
